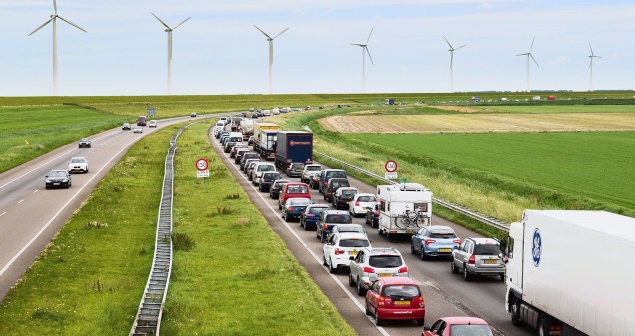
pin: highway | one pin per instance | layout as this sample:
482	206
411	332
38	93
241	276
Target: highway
445	294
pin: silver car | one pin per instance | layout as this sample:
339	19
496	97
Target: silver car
477	256
371	263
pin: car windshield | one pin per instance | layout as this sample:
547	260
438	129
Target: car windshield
78	160
487	249
297	165
337	184
317	210
298	201
385	261
281	182
57	174
267	168
354	243
443	235
336	174
347	228
313	168
349	192
84	139
402	291
271	176
470	330
297	189
366	198
340	219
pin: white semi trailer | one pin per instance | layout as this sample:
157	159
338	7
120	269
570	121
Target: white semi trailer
403	208
570	272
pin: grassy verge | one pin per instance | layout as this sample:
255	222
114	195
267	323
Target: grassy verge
237	277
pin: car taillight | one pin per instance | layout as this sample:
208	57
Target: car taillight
377	213
403	270
326	226
430	241
421	303
338	251
368	270
310	215
290	208
472	260
382	301
356	203
457	241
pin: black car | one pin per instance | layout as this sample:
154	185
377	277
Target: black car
239	155
84	143
58	179
295	169
247	156
343	196
274	190
332	185
266	180
372	216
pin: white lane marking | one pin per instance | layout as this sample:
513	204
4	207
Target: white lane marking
3	214
25	247
20	201
319	260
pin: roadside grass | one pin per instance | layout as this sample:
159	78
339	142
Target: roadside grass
28	132
90	278
239	278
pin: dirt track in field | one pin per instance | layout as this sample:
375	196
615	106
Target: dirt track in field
481	123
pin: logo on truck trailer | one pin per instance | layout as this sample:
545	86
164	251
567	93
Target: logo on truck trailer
536	247
293	143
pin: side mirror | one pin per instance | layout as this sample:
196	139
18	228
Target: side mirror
455	247
351	258
503	244
427	328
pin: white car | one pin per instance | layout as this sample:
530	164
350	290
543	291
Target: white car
152	123
78	164
360	203
266	113
309	172
275	111
137	129
372	263
348	228
260	168
340	247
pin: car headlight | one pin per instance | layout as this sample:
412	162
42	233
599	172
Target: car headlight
48	181
65	180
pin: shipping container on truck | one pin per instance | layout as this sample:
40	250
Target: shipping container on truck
141	120
569	272
267	148
258	128
293	146
247	127
235	123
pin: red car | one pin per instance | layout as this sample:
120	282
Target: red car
293	190
459	325
395	298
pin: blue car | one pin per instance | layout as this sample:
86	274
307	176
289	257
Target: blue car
309	217
327	219
434	241
294	207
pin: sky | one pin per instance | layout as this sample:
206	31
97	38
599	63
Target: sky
219	51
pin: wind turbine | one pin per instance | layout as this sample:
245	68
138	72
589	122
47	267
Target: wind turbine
270	39
591	57
452	49
53	19
528	54
364	52
169	31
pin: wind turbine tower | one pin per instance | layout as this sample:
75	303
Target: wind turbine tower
591	57
528	54
452	49
364	52
53	19
270	39
169	31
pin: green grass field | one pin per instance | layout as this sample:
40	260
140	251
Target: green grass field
596	165
543	109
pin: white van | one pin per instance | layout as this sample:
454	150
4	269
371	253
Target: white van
235	136
260	168
266	113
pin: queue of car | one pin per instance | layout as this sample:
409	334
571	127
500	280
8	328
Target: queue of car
379	274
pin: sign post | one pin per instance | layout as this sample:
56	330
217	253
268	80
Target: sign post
151	112
201	167
391	170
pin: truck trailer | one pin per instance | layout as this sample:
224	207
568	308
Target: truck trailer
258	128
569	272
293	146
235	123
247	127
403	208
267	144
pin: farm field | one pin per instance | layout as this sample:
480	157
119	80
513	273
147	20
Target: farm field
565	109
593	164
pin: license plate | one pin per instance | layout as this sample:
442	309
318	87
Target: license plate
349	202
402	303
298	170
409	232
56	183
381	275
352	252
491	261
445	250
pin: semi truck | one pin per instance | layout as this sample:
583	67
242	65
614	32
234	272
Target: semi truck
569	272
403	208
293	146
267	144
141	120
247	127
235	123
258	128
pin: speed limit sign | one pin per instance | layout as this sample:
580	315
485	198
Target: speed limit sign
201	164
391	166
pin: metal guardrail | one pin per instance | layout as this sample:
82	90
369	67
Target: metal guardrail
497	223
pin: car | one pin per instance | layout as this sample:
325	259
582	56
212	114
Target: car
395	298
291	190
126	127
193	114
371	264
327	174
266	180
224	120
152	123
294	207
78	164
478	256
308	108
337	228
310	215
137	129
274	189
58	179
294	169
85	143
360	203
266	113
259	169
332	185
343	196
372	215
337	251
314	183
232	152
249	168
458	325
434	241
222	136
229	145
309	171
248	156
240	151
250	141
327	219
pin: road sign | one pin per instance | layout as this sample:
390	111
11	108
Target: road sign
391	166
403	180
152	112
201	164
390	176
202	173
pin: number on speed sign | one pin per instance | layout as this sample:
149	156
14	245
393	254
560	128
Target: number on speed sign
201	164
391	166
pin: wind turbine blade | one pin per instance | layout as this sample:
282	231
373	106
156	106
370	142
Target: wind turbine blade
448	42
525	54
281	32
357	44
532	44
72	24
163	23
55	6
591	49
371	33
371	58
269	37
460	47
182	22
532	57
40	27
590	62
